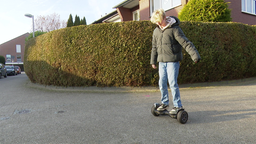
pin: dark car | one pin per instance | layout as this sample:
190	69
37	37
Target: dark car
2	71
11	70
18	69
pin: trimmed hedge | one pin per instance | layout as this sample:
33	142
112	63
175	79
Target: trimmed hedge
2	59
206	11
118	54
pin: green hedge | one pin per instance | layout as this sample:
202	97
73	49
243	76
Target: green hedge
118	54
206	11
2	59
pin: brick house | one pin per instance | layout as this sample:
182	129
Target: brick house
243	11
13	50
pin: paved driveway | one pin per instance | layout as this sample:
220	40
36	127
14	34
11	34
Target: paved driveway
218	113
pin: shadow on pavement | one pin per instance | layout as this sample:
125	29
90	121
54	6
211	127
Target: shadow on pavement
219	116
239	82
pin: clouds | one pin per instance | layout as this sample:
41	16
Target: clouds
50	7
94	5
13	23
100	7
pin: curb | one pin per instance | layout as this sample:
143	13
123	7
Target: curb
94	89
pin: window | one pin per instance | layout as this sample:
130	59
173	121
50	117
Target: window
13	57
249	6
164	4
18	48
136	15
18	58
8	58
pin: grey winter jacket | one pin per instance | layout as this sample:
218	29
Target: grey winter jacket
167	44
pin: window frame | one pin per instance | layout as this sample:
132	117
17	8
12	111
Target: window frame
8	58
152	9
18	48
249	8
138	14
19	58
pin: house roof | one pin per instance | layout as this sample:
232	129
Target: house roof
104	18
128	4
114	14
27	34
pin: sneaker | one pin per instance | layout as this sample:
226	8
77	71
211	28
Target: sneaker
162	107
175	110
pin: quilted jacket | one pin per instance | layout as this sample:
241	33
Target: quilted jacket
167	43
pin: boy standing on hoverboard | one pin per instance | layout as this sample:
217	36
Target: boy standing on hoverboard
167	43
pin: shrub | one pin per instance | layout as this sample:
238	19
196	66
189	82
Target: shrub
37	33
206	11
2	59
118	54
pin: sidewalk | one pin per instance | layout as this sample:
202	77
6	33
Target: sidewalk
246	81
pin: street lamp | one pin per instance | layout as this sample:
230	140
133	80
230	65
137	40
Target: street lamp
31	16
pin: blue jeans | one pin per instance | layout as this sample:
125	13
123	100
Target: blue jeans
169	71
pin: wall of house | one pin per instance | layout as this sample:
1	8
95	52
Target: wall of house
145	9
176	10
239	16
126	13
9	47
235	6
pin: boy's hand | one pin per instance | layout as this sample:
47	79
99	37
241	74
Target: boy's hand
197	61
154	66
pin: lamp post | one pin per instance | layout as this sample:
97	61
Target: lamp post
31	16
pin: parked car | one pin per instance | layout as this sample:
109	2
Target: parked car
2	71
11	70
18	69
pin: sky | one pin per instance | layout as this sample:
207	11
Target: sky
13	22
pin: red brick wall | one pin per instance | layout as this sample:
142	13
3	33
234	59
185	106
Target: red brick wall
126	14
235	6
9	47
237	14
145	9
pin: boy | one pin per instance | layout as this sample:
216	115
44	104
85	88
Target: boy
167	43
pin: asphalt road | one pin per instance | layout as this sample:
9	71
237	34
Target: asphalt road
33	114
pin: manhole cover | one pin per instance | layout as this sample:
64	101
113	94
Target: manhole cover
22	111
60	111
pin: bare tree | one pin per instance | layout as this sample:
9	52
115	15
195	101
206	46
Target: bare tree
63	24
49	23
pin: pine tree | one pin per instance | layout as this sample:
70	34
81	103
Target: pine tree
83	21
77	21
70	21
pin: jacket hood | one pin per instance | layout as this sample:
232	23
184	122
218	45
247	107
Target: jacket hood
171	21
177	23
